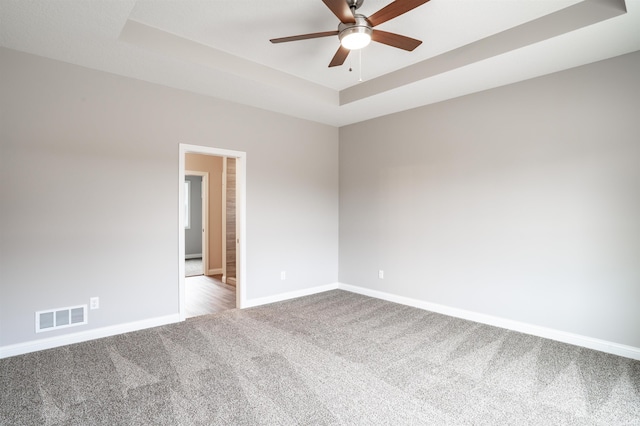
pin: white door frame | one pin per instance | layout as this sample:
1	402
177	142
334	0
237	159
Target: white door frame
241	179
204	197
224	220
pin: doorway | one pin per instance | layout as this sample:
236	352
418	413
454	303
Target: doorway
238	159
196	211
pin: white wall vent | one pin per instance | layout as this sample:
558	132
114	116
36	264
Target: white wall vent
55	319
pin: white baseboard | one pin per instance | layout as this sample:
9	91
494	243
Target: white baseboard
83	336
548	333
193	256
290	295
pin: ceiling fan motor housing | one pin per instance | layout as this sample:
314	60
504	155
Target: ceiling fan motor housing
361	28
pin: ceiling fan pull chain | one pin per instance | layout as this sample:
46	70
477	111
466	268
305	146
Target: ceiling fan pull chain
360	66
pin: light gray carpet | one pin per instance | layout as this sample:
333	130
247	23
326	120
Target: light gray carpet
334	358
193	267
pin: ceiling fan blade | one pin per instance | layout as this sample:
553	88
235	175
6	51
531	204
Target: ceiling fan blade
304	37
341	9
395	40
393	10
339	57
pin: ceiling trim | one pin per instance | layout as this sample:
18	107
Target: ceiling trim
181	47
177	47
580	15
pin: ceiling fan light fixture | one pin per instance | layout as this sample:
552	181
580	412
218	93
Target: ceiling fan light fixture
355	30
355	40
355	36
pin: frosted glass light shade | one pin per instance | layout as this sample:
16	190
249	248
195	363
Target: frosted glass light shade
355	40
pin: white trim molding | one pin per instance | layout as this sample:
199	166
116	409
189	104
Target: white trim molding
83	336
547	333
289	295
241	177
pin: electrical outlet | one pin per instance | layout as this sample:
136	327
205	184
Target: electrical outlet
381	274
94	303
283	275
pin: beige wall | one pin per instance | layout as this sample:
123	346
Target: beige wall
213	166
521	202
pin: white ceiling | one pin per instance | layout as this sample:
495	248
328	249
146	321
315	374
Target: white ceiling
221	48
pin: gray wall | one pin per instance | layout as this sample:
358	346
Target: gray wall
193	235
67	130
521	202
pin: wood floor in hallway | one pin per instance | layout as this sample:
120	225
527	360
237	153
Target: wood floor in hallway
208	295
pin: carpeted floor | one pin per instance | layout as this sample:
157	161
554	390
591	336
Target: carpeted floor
334	358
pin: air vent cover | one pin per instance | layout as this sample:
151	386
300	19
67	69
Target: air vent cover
55	319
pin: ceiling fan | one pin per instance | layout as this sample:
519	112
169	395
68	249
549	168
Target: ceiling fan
355	31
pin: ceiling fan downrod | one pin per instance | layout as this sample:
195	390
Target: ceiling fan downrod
354	5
